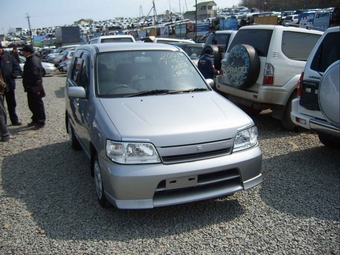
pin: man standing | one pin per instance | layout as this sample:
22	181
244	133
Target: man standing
32	81
10	70
5	136
206	65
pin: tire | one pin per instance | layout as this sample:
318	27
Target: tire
98	181
217	55
329	141
243	66
75	145
286	119
43	72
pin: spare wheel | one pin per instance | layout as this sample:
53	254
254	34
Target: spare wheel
242	66
329	100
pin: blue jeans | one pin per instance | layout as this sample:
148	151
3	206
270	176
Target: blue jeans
3	119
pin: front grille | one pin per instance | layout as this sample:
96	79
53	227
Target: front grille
195	156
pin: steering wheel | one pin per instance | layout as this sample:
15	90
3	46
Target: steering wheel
117	87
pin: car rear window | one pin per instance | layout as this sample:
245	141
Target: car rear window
110	40
258	38
327	53
298	46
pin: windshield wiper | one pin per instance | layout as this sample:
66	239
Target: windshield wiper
151	92
164	91
191	90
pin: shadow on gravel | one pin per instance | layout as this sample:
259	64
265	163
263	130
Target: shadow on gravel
60	93
55	184
306	192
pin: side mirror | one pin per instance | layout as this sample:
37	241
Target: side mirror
77	92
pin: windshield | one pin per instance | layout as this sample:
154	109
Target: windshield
130	73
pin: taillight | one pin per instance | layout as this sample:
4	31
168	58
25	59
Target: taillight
299	84
66	58
268	74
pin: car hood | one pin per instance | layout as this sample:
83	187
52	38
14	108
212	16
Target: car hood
176	119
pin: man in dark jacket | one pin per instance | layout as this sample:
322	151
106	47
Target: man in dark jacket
206	65
32	81
10	69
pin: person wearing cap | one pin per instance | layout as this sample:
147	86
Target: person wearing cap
206	64
10	69
32	79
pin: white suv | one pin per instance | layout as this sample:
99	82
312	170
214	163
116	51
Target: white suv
318	106
262	67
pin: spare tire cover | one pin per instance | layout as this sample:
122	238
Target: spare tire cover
242	66
217	55
329	100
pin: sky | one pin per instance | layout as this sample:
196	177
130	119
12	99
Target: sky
47	13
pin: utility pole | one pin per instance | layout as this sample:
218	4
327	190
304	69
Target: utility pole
196	21
140	11
29	27
154	12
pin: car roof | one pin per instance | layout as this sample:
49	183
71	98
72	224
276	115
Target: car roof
225	31
113	36
283	28
127	46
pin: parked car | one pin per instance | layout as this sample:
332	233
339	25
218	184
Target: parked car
262	66
59	50
112	38
166	40
318	106
154	130
194	50
48	68
291	19
219	42
64	65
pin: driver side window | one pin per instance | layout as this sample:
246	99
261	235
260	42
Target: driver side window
80	73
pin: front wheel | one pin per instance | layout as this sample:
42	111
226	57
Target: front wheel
98	181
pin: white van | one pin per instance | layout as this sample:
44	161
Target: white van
112	38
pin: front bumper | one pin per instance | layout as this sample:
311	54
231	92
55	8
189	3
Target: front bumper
155	185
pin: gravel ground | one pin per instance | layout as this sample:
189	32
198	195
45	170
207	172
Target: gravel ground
48	203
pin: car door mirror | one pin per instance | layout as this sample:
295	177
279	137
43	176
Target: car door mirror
77	92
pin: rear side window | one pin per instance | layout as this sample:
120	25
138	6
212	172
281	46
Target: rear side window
221	39
257	38
327	53
298	46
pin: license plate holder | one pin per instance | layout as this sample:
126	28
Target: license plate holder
181	182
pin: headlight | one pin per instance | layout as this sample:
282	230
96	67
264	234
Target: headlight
245	139
131	153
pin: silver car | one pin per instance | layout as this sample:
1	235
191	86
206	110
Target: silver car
154	130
